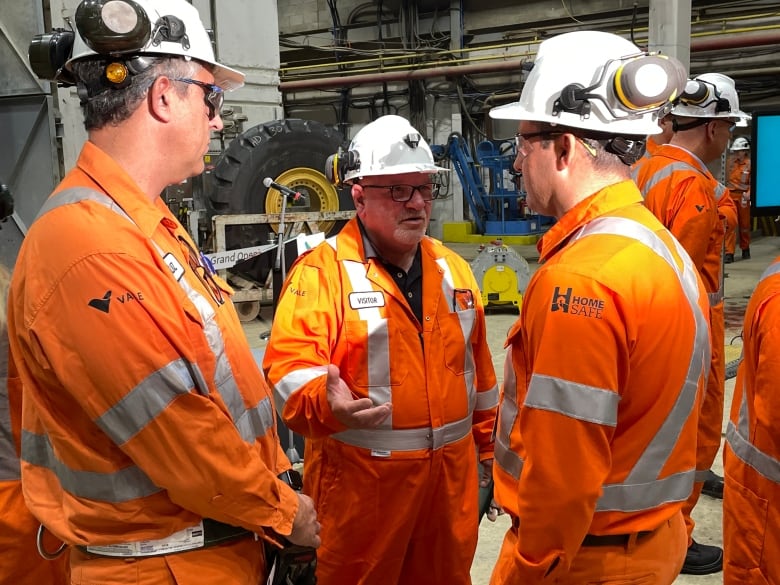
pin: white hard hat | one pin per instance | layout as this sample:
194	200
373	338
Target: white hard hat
126	28
596	81
740	143
710	95
388	146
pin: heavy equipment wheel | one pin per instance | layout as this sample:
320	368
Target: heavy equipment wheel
292	152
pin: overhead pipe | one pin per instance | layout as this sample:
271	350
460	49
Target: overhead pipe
405	75
721	42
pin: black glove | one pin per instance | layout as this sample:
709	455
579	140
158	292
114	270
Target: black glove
6	202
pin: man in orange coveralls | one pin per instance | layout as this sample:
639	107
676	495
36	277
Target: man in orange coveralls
680	191
20	564
739	189
595	447
378	356
751	502
148	433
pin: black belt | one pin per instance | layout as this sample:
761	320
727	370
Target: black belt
613	539
214	533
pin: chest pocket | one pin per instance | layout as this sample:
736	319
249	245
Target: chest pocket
455	330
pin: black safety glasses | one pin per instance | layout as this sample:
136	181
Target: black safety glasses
214	96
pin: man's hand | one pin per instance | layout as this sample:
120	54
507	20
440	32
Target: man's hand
485	473
354	413
306	529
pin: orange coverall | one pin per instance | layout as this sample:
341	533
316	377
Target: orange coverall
682	193
739	188
397	504
144	411
751	498
20	563
591	440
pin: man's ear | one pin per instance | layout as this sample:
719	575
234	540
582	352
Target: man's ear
159	98
565	146
358	196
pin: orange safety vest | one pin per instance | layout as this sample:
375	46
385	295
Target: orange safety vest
591	439
679	190
751	499
739	177
144	410
340	306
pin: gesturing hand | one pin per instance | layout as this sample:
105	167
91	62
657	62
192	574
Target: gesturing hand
355	413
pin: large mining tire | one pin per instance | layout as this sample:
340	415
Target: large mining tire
292	152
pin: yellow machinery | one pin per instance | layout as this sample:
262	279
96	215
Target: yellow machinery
502	275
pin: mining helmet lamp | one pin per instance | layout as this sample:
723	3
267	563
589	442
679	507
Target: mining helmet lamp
113	27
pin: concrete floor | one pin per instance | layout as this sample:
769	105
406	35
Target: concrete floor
741	279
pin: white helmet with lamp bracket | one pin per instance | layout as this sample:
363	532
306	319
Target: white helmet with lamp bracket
740	143
122	33
710	95
389	145
598	82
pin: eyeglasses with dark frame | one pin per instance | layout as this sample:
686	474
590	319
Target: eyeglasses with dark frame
404	193
214	95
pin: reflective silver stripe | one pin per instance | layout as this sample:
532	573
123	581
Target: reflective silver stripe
737	435
123	485
294	381
406	439
720	191
639	487
666	171
504	457
764	464
9	462
77	195
637	497
487	399
377	342
574	400
466	319
144	402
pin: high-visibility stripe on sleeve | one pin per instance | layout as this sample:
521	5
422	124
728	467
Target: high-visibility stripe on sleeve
144	402
574	400
487	399
636	497
293	381
505	458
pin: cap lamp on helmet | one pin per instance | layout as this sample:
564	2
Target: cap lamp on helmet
122	33
390	145
597	82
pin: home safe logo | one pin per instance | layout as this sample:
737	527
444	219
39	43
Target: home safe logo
571	304
560	301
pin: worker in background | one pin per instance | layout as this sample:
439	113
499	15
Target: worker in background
751	503
148	437
20	563
378	356
712	484
681	191
655	141
739	189
595	449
